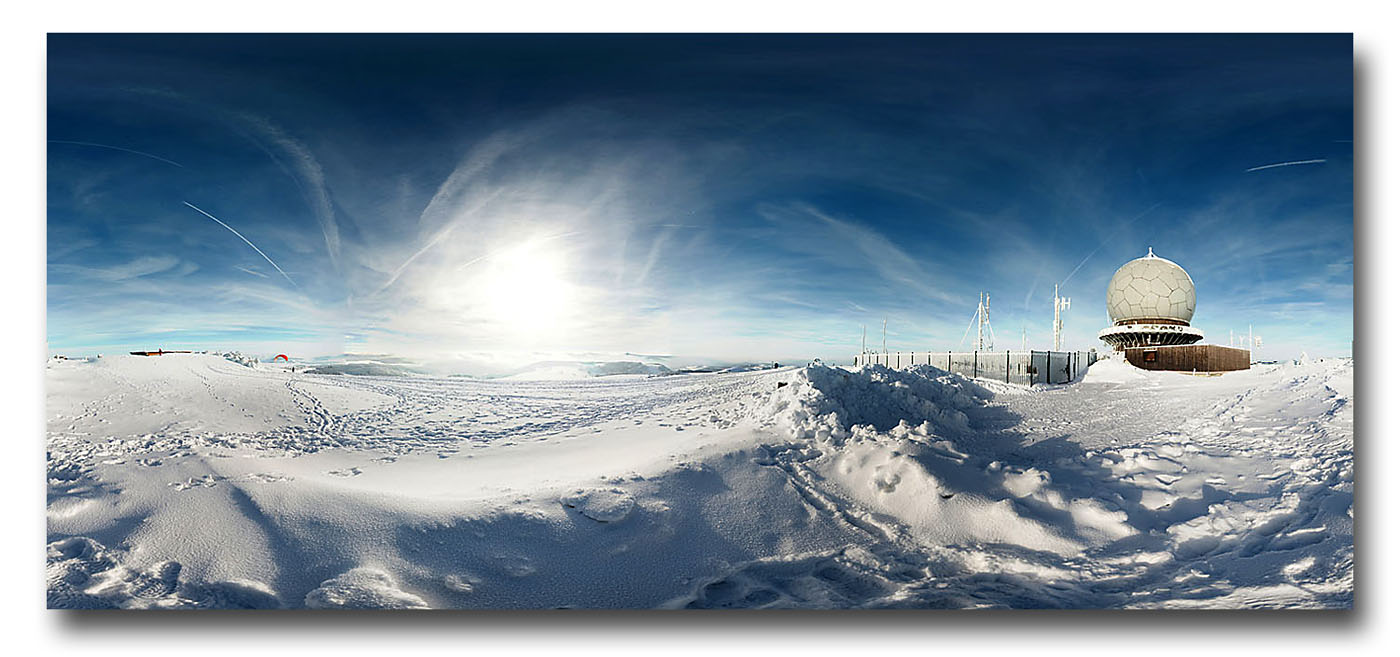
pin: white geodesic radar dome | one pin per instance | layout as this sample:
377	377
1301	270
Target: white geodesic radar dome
1151	288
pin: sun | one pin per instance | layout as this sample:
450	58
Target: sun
526	288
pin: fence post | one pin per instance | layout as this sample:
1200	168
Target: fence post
974	364
1008	366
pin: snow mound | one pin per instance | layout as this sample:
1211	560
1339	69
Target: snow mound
362	588
601	504
825	403
1114	370
84	574
240	358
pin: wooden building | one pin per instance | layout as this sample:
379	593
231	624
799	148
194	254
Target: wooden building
1189	358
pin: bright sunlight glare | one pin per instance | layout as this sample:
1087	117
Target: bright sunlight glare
525	289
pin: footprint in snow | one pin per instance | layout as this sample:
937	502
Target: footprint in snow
604	505
158	582
348	472
460	583
265	477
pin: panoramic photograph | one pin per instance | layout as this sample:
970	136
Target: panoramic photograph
698	321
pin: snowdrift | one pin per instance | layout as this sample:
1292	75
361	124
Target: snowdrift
1116	370
892	441
824	403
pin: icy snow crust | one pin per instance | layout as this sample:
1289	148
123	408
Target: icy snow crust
190	481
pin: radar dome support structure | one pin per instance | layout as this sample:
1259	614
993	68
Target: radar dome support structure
1151	301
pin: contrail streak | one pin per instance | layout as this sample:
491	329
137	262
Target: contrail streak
245	240
1111	236
438	237
1285	164
531	243
116	148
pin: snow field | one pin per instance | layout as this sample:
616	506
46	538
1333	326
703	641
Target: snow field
188	481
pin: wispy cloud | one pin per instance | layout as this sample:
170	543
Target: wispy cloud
843	242
143	266
747	206
438	236
288	151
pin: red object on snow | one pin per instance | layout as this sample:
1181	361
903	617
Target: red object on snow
282	356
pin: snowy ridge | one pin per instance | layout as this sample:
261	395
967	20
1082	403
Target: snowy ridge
364	368
570	370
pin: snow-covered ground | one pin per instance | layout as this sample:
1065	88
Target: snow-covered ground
193	481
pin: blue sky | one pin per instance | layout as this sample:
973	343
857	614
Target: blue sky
491	200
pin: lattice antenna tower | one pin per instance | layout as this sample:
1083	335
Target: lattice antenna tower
985	338
1061	304
982	318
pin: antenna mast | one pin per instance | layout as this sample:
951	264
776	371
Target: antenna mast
985	338
884	324
1060	305
982	321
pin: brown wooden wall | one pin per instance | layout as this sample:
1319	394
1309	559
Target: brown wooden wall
1190	358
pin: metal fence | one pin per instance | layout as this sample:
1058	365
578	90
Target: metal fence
1023	367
